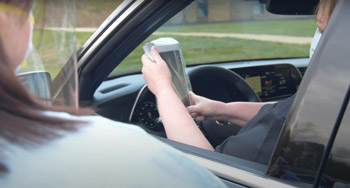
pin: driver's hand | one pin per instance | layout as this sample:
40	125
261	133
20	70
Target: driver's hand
156	74
203	108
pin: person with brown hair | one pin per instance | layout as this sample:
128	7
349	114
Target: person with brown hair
47	146
261	122
323	12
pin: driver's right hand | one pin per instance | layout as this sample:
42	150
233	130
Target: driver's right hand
203	108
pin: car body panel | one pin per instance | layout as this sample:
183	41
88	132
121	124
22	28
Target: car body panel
336	169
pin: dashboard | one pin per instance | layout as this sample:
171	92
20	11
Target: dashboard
145	113
127	98
270	82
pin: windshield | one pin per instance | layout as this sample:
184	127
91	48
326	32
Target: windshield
225	31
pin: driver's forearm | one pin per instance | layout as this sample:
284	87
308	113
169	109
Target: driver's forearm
178	124
238	113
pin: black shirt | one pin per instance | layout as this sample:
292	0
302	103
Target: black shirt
257	139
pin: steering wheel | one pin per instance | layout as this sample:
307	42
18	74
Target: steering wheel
221	84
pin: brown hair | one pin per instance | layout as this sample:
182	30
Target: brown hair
326	7
22	121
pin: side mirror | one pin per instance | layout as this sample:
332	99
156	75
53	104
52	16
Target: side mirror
38	82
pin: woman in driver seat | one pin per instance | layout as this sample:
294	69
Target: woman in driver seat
261	122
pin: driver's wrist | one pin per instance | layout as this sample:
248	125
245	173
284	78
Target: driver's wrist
219	108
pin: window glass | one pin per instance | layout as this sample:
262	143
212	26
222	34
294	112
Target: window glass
212	31
88	16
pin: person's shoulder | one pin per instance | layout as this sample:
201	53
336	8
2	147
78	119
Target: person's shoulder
102	151
98	123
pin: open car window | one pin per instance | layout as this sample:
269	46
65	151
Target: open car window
224	31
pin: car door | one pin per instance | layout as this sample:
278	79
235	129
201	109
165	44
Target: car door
306	143
132	23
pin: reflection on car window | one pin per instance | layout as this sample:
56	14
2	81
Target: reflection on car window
88	16
230	30
336	173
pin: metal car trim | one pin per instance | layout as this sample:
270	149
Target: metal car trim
237	175
297	62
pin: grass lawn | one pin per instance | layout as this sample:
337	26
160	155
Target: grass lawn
305	27
198	50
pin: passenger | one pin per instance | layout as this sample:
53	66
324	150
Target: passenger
261	122
46	146
323	12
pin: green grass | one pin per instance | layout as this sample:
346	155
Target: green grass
197	50
286	27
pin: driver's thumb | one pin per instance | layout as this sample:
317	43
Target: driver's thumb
192	109
194	97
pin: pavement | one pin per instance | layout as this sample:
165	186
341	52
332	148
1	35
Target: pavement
260	37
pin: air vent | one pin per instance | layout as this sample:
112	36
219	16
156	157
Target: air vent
113	88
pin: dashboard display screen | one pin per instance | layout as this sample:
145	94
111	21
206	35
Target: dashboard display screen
272	82
255	83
